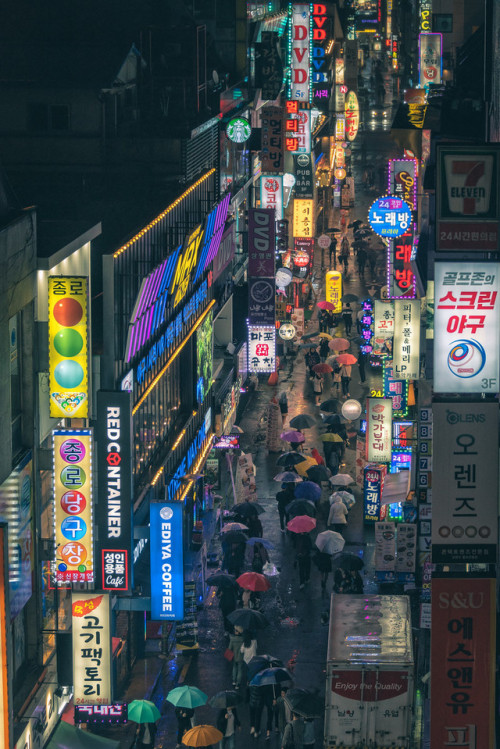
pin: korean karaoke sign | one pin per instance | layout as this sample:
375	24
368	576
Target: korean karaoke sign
90	621
400	276
378	430
72	485
372	491
261	349
389	216
466	327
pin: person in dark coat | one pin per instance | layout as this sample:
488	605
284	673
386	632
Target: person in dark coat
184	717
303	546
283	498
333	252
323	349
227	723
324	564
235	559
227	603
260	557
356	582
312	358
254	526
256	705
341	581
145	734
361	366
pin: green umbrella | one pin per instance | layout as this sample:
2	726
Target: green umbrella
143	711
186	696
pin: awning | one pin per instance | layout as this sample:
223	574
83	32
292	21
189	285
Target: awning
69	737
396	487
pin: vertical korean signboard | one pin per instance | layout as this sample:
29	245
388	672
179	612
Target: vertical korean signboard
466	327
431	58
303	218
378	430
90	621
400	276
114	471
68	347
403	180
383	319
462	663
261	349
272	152
261	266
271	194
465	448
72	480
406	349
333	290
299	52
167	565
372	493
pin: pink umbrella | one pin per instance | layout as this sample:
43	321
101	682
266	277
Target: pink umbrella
339	344
323	368
292	436
301	524
325	305
346	359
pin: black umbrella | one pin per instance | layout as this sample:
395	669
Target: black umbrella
222	580
329	405
333	419
362	233
227	698
318	474
355	224
302	421
248	619
233	537
247	509
260	662
348	561
310	335
350	298
331	229
290	458
305	703
271	676
300	507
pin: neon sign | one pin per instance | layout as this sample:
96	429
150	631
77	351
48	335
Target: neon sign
299	52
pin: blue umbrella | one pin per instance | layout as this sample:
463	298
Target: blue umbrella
271	676
287	477
266	544
308	490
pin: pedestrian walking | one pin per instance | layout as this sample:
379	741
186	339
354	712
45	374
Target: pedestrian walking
227	723
317	387
248	647
309	738
184	717
312	358
345	378
344	253
341	581
336	380
283	404
323	321
347	318
255	704
254	526
236	640
356	582
282	712
337	517
145	735
233	558
324	349
372	262
361	258
269	702
359	324
361	366
227	604
303	546
260	557
283	498
293	735
333	252
324	564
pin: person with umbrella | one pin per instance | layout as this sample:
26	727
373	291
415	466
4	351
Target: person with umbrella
260	557
254	526
184	717
303	546
324	564
255	704
341	581
344	252
333	252
236	640
324	349
317	387
227	603
345	378
355	582
234	555
293	735
283	498
312	358
227	722
283	404
347	318
282	712
145	735
337	516
361	258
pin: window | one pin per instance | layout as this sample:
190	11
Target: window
44	118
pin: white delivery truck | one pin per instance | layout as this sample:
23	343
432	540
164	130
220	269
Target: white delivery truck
369	673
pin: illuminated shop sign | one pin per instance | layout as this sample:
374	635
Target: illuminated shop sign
303	218
90	620
319	18
188	460
403	180
299	52
425	13
389	217
372	493
271	193
351	116
401	283
396	390
430	58
378	429
238	130
102	714
185	265
68	347
406	349
333	290
214	229
72	481
114	471
261	349
272	151
167	570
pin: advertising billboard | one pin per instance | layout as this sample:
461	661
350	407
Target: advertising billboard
403	180
261	349
390	217
268	66
167	563
271	194
406	348
464	520
462	667
302	133
395	389
299	52
466	327
304	175
372	492
467	198
114	475
303	218
378	430
261	266
333	290
383	319
351	116
91	632
72	482
400	276
68	347
430	58
272	155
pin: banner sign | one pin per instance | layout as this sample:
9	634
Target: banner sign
91	631
304	175
430	58
385	547
333	290
378	430
68	347
268	66
261	349
468	198
271	194
406	348
351	116
299	52
406	548
372	492
303	218
396	390
261	266
301	132
72	482
383	319
466	327
403	180
101	714
462	666
400	276
390	217
272	151
465	448
167	562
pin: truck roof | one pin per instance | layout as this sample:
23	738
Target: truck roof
370	629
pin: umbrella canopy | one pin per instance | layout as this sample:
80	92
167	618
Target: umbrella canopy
233	527
300	507
325	305
323	367
350	298
265	543
247	509
312	334
348	561
346	359
325	335
330	542
234	537
291	457
346	497
334	419
292	436
301	524
270	676
253	581
318	473
331	437
302	421
70	736
248	619
305	703
185	696
339	344
355	224
287	477
226	698
144	711
310	344
308	490
303	467
260	662
202	736
221	580
341	479
329	405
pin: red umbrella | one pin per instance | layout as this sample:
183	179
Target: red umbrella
346	359
339	344
323	368
325	305
253	581
301	524
292	436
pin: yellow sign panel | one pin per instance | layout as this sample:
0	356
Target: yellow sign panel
72	457
185	265
303	218
68	347
90	624
333	291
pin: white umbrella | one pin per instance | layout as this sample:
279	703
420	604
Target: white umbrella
346	497
330	542
341	479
